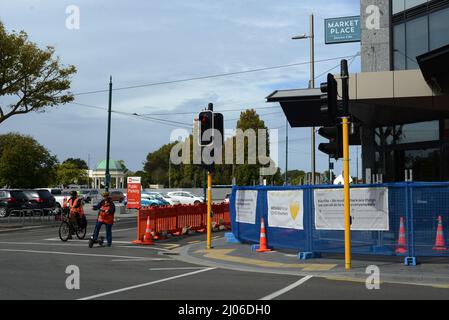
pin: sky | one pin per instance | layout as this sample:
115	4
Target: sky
143	42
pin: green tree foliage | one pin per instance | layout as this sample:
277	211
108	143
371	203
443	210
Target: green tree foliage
79	163
24	163
72	171
30	78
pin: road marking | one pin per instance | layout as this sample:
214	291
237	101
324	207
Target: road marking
141	259
286	289
85	240
169	246
223	254
183	268
145	284
80	254
195	241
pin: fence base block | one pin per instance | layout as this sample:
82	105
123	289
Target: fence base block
308	255
255	247
410	261
230	238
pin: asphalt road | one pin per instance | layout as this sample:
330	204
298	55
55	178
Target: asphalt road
34	263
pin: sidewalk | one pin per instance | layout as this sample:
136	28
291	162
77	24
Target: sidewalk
238	256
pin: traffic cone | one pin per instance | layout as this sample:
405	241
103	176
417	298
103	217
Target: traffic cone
147	238
439	241
402	243
263	239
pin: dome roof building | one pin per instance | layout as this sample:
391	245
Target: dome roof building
116	171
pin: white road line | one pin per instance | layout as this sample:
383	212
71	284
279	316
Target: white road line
78	254
185	268
69	244
145	284
142	259
286	289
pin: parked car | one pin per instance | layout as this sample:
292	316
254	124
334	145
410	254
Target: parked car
41	201
12	201
117	196
171	201
59	196
185	197
147	200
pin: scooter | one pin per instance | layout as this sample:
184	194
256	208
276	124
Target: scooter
100	242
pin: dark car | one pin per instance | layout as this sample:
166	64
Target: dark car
117	196
12	201
41	201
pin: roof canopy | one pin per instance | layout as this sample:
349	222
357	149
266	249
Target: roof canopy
376	99
113	166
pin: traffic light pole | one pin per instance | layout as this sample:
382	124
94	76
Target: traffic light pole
209	209
347	199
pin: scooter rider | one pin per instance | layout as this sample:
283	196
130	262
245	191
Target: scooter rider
105	216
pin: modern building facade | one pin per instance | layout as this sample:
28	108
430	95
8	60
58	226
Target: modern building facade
402	105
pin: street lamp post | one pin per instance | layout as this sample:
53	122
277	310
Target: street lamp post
107	174
311	36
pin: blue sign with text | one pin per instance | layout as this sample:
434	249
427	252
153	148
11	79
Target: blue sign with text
342	30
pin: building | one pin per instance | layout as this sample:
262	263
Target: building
401	97
116	171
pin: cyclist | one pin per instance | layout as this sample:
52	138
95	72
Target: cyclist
76	209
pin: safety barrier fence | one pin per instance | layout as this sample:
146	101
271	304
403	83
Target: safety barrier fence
423	209
29	217
179	219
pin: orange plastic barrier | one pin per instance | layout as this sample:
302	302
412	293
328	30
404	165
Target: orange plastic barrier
176	220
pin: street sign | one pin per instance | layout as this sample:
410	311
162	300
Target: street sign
133	193
342	30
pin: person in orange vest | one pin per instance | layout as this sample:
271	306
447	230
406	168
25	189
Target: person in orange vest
105	217
75	205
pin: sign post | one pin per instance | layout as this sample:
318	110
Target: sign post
133	201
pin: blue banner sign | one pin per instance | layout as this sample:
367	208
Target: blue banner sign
342	30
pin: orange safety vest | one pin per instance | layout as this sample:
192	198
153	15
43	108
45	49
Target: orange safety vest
104	215
74	210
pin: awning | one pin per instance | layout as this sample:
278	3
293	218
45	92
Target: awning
376	99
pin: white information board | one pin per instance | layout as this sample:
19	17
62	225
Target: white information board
369	209
245	206
286	209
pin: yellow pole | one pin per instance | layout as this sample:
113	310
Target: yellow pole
209	207
347	194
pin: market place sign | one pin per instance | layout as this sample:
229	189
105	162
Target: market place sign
342	30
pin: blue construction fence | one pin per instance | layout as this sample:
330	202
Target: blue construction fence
419	204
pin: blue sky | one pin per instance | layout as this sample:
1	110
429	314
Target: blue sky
141	42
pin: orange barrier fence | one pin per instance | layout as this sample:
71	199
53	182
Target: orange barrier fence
177	220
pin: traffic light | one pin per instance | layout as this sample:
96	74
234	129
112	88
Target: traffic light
329	99
205	122
219	127
334	148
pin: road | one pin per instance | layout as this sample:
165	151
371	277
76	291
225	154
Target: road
34	263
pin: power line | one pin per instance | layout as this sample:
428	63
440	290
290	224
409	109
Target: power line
208	76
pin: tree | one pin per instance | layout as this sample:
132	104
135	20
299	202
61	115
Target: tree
73	171
70	173
30	74
79	163
24	163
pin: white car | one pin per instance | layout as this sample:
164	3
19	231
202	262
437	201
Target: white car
185	197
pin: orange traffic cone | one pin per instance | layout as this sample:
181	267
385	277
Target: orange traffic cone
439	241
402	244
147	238
263	239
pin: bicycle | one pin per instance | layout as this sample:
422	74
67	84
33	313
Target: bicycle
67	228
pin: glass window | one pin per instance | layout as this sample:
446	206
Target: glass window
399	47
398	6
408	133
413	3
416	40
439	28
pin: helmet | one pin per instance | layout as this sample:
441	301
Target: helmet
105	194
